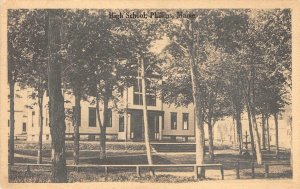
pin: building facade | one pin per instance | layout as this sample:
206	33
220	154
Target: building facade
21	112
166	121
126	121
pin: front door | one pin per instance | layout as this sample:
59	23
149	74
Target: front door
137	125
153	122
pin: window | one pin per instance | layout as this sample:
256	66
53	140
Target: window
122	93
121	123
73	116
32	118
47	114
47	137
137	99
173	120
24	127
137	94
151	100
92	117
109	116
185	121
8	123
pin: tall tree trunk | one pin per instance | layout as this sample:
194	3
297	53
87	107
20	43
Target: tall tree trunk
268	133
77	123
99	121
256	135
12	77
211	140
145	115
263	133
251	131
11	120
103	128
235	134
276	134
56	100
40	149
239	130
251	103
236	98
291	139
210	124
199	121
256	140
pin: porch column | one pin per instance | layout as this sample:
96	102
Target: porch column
125	124
128	125
160	127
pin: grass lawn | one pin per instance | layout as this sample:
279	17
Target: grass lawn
170	175
136	155
92	175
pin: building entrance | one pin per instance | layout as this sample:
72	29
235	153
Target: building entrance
137	124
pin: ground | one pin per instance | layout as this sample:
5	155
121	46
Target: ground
134	153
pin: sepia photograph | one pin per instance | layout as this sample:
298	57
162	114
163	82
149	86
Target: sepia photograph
148	95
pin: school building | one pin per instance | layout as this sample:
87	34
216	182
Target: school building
166	122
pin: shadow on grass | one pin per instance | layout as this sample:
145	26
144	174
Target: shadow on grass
286	174
20	176
125	160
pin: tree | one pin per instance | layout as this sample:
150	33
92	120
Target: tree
199	41
274	87
15	58
177	88
146	127
263	132
141	33
280	60
185	43
234	89
264	75
104	46
35	62
56	100
229	35
75	74
241	41
221	32
199	132
216	98
12	74
247	52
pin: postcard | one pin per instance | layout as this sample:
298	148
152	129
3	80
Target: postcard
131	94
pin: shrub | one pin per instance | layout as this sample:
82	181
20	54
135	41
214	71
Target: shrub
84	146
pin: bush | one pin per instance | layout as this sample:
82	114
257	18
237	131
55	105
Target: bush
84	146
